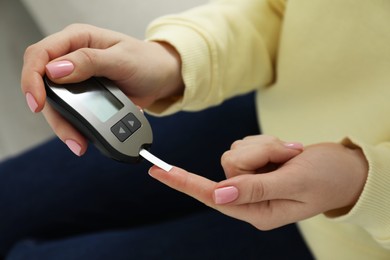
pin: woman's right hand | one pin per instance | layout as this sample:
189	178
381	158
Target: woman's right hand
145	71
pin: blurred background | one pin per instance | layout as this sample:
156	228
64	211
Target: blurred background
24	22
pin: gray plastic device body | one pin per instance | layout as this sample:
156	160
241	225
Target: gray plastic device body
103	114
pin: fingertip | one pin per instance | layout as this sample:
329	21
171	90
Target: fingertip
59	69
294	145
75	147
225	195
34	92
154	170
31	102
150	171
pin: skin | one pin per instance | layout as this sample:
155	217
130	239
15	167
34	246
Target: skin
277	183
325	177
145	71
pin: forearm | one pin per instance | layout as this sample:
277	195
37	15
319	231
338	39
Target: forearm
219	57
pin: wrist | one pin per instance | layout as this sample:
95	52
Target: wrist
359	168
172	82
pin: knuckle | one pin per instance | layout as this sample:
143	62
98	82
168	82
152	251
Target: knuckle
265	221
31	50
88	55
250	137
236	144
257	192
72	26
263	225
77	27
228	160
271	139
229	164
90	59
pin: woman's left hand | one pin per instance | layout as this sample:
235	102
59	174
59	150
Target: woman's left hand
271	183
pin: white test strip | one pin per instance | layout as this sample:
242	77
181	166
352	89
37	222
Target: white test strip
154	160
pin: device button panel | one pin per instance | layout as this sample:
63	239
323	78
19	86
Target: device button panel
131	122
125	127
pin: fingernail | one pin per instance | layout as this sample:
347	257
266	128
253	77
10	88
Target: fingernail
294	145
74	147
31	102
59	69
225	195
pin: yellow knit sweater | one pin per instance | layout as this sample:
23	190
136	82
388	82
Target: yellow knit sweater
322	72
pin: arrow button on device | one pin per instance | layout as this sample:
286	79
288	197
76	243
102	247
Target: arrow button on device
121	131
131	122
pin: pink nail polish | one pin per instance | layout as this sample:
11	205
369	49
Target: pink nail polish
225	195
294	145
31	102
59	69
74	147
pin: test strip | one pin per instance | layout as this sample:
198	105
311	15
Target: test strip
154	160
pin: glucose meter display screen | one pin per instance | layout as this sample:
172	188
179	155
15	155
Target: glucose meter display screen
99	101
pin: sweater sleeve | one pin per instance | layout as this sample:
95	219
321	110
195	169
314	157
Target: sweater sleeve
227	47
372	211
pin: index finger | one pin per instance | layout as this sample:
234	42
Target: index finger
263	215
191	184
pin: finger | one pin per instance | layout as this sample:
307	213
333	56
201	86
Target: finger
191	184
31	82
250	157
249	140
85	63
65	131
263	215
255	188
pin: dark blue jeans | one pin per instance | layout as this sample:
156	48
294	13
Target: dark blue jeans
54	205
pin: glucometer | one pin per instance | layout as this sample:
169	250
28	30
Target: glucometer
106	116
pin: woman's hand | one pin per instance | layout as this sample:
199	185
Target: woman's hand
145	71
294	184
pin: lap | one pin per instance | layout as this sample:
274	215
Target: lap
47	193
205	235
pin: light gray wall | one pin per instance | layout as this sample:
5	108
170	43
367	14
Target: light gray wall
19	128
127	16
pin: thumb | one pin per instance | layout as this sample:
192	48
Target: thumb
81	65
254	188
